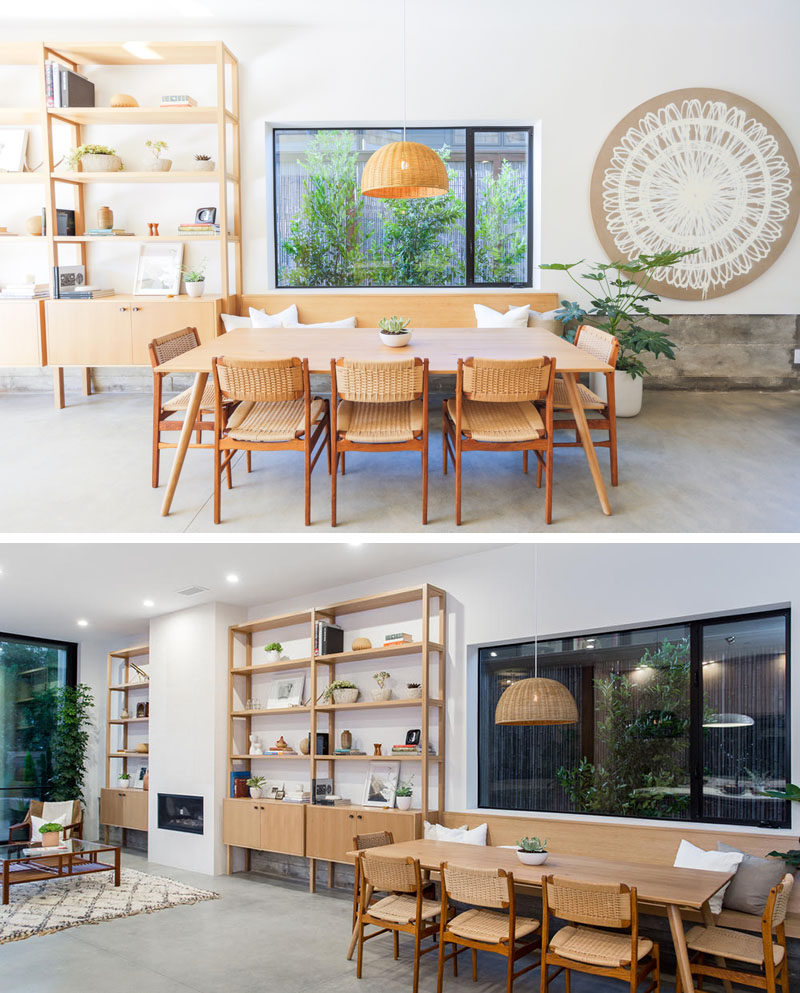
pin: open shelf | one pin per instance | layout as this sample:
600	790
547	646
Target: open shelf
378	602
130	686
128	755
262	667
273	710
123	176
280	758
136	238
20	115
24	177
377	704
138	115
128	720
154	53
409	648
270	623
131	653
374	758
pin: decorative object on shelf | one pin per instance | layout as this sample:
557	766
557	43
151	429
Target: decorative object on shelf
304	745
51	834
33	225
238	783
178	100
123	100
143	776
381	784
414	736
65	221
341	691
94	158
147	709
320	789
413	691
152	229
404	793
141	710
205	215
256	748
346	740
396	638
143	748
105	218
146	780
281	744
156	148
278	793
13	145
328	638
383	692
256	786
203	163
158	272
194	277
377	749
532	851
393	331
124	714
697	167
361	644
286	691
123	780
273	651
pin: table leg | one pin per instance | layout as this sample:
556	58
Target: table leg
681	951
586	437
116	866
708	920
5	883
354	937
186	436
58	387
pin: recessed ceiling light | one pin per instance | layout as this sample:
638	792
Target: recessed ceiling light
148	603
82	622
232	577
493	655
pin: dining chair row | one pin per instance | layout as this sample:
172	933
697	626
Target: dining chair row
267	405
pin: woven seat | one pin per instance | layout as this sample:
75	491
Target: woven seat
181	401
731	945
499	421
403	909
271	422
373	423
589	400
489	926
585	944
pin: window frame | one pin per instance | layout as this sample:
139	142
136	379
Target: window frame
469	219
695	626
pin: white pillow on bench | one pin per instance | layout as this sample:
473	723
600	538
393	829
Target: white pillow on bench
514	317
691	857
285	319
462	835
345	322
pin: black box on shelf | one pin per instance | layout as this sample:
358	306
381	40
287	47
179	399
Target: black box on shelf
76	90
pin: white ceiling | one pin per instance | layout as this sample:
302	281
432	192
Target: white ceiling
46	587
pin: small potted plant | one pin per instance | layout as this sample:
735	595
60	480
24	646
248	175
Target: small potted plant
123	780
532	851
413	691
156	148
51	834
383	692
393	331
273	650
194	278
256	786
203	163
94	158
341	691
404	793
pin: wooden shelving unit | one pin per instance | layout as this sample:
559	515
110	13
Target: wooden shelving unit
128	808
240	815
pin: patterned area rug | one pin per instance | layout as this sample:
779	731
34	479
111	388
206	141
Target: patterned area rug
44	907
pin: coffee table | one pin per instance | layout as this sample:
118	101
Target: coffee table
79	858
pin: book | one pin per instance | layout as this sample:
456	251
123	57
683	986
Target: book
399	638
240	776
328	638
65	221
349	751
109	233
46	851
178	100
85	293
67	278
76	90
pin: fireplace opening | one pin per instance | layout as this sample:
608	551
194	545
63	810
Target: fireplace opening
180	813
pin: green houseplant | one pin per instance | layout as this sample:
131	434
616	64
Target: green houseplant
156	148
404	793
51	834
256	786
792	792
383	692
71	741
94	158
194	277
393	331
341	691
413	691
532	851
620	304
273	650
123	780
203	162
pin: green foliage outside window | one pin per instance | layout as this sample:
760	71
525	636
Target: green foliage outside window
500	226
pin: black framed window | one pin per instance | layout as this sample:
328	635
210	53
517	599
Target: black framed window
676	722
31	672
327	235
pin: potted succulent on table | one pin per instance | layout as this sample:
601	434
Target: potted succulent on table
413	691
156	148
383	692
404	793
256	786
123	780
51	834
273	650
203	163
393	331
532	851
94	158
341	691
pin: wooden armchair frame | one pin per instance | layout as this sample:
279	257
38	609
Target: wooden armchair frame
19	833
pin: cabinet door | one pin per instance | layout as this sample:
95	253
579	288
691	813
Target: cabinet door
241	823
134	805
330	832
154	318
20	332
111	811
283	828
401	824
88	332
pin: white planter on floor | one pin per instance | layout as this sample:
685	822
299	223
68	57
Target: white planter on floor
627	392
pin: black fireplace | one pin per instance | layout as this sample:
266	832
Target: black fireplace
180	813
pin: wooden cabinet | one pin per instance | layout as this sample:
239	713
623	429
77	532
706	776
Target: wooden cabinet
268	825
330	830
22	333
153	318
124	808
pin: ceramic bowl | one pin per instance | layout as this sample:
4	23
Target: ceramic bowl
533	858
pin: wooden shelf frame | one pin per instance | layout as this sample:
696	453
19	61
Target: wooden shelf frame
432	646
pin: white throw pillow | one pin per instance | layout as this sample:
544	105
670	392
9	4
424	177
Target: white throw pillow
462	835
547	320
691	857
514	317
232	321
345	322
36	823
432	831
285	319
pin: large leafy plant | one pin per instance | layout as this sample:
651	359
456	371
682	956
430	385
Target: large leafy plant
792	792
620	304
71	741
500	226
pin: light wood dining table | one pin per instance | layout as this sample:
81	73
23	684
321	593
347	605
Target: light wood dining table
662	885
443	347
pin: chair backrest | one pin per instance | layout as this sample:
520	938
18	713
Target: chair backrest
390	874
507	380
170	346
777	903
262	381
598	904
54	809
375	840
379	382
478	887
600	344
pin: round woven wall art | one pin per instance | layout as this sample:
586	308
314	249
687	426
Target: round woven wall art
697	168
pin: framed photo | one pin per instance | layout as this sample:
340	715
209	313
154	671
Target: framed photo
159	270
322	789
414	736
142	774
380	785
286	691
13	146
205	215
71	278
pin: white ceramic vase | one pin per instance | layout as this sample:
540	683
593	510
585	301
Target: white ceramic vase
123	783
206	165
412	692
271	656
161	165
627	392
196	290
345	696
100	163
255	792
384	693
533	858
395	340
403	802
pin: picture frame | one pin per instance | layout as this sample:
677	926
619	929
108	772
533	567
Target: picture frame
323	788
380	785
13	147
414	736
158	270
286	691
205	215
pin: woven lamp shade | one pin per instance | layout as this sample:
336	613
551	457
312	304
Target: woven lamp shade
404	170
536	701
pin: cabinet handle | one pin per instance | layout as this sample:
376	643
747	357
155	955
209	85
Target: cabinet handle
358	817
350	816
122	309
135	308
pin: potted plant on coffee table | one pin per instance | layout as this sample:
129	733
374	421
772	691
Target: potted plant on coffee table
194	278
532	851
256	786
393	331
51	834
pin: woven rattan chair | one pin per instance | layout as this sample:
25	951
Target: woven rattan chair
38	808
602	413
405	908
493	928
361	841
583	947
497	407
169	346
770	958
383	408
275	412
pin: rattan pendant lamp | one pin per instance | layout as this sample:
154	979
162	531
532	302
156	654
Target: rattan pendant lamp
404	170
537	700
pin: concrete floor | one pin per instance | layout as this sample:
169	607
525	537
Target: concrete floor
691	462
261	936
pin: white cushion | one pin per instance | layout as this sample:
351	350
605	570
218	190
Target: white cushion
691	857
515	317
285	319
547	320
346	322
462	835
232	321
36	823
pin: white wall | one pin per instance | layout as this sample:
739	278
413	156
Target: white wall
577	67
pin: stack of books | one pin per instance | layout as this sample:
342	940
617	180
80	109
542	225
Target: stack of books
178	100
198	228
332	800
25	291
304	797
328	638
411	750
85	292
109	232
66	88
396	638
349	751
279	751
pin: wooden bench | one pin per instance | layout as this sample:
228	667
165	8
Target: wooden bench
651	844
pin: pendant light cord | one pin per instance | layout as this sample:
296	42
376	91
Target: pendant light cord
405	94
536	611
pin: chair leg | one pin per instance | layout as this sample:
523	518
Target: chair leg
657	970
342	463
333	487
156	453
538	473
510	971
612	450
455	959
440	966
416	961
568	980
474	965
548	488
228	471
525	461
249	460
307	482
217	474
396	943
425	482
328	445
198	436
444	441
360	956
458	483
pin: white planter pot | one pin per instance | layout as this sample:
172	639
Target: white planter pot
395	340
161	165
627	392
382	694
255	792
533	858
403	802
271	656
123	783
100	163
196	290
411	693
345	696
204	166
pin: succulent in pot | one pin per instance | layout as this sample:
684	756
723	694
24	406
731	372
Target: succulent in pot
532	851
413	691
203	162
383	692
256	786
273	650
404	793
51	834
393	331
194	279
341	691
156	148
94	158
123	780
